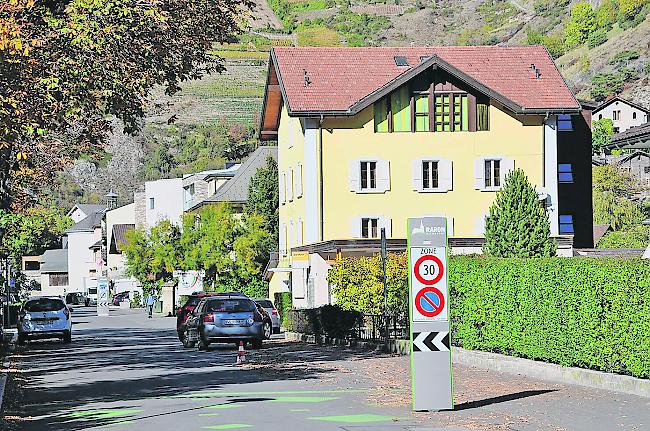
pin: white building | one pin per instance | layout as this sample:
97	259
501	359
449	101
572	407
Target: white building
81	211
82	238
201	185
160	200
54	272
623	113
118	222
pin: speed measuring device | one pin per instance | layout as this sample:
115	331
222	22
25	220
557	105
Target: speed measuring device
429	314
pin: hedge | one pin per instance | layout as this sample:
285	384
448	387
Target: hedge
328	320
584	312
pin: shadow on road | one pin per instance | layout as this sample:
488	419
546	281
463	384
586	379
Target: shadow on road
501	399
127	365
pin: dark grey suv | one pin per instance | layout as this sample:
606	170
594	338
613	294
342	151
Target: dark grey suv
227	319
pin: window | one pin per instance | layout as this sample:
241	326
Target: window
421	112
566	224
442	111
564	123
290	185
565	173
152	203
32	265
283	188
400	106
461	118
59	279
616	129
368	175
369	227
600	116
492	174
381	116
646	169
298	171
429	174
616	115
634	115
482	111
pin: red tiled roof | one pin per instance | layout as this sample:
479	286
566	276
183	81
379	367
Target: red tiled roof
340	77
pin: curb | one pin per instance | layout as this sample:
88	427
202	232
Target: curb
5	365
507	364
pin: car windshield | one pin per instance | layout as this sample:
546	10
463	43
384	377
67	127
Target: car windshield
231	305
92	290
192	301
44	304
265	303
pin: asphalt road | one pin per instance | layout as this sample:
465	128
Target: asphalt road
127	372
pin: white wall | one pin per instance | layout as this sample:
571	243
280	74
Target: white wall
168	201
121	215
78	215
80	258
627	112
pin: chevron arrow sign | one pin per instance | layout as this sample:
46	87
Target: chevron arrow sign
431	341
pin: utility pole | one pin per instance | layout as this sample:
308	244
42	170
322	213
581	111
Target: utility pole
383	265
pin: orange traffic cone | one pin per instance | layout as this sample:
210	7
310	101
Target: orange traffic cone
241	354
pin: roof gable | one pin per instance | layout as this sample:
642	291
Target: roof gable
621	100
336	80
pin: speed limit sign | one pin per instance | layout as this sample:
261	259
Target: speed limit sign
429	283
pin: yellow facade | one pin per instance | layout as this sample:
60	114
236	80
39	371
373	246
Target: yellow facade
344	139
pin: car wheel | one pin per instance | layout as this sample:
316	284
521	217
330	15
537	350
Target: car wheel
87	303
181	336
267	330
22	339
67	337
187	341
257	344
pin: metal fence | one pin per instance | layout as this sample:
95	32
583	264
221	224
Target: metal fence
372	327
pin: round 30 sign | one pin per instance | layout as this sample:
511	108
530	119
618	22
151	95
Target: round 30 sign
428	269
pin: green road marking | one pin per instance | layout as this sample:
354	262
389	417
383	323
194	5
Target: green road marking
224	406
235	394
354	418
103	413
300	410
303	399
209	414
227	426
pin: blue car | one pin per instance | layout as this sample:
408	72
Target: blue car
44	317
227	319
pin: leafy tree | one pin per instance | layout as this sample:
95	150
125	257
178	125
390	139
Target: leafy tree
606	15
601	132
606	84
263	196
152	256
518	226
629	8
580	25
608	178
67	66
32	231
554	43
624	57
613	188
597	38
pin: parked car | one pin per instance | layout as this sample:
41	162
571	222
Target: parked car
119	297
268	306
226	318
182	313
75	298
44	317
91	296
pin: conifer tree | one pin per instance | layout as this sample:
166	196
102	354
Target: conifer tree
518	226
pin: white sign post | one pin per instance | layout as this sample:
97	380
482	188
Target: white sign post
429	310
102	297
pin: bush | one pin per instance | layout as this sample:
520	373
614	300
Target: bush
283	304
329	320
136	302
605	84
633	237
585	312
597	38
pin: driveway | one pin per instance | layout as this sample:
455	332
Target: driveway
127	372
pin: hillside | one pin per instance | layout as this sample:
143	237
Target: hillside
212	120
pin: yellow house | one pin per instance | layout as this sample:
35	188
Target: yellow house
368	137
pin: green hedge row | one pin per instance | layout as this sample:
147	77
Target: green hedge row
584	312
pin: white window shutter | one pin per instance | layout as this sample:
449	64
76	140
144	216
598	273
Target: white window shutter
282	240
383	175
299	180
417	175
290	184
479	174
507	165
354	175
282	189
385	222
290	236
445	174
450	226
299	240
355	227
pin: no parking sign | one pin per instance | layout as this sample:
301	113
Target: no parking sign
429	304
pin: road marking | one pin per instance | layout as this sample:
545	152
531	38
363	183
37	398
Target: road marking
209	414
234	394
355	418
224	406
104	413
227	426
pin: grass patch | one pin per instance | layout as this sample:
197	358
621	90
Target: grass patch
317	36
308	5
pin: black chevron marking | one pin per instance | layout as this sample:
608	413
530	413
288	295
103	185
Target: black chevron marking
445	341
428	341
415	347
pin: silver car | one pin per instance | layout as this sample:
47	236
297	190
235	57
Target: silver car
268	306
44	317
